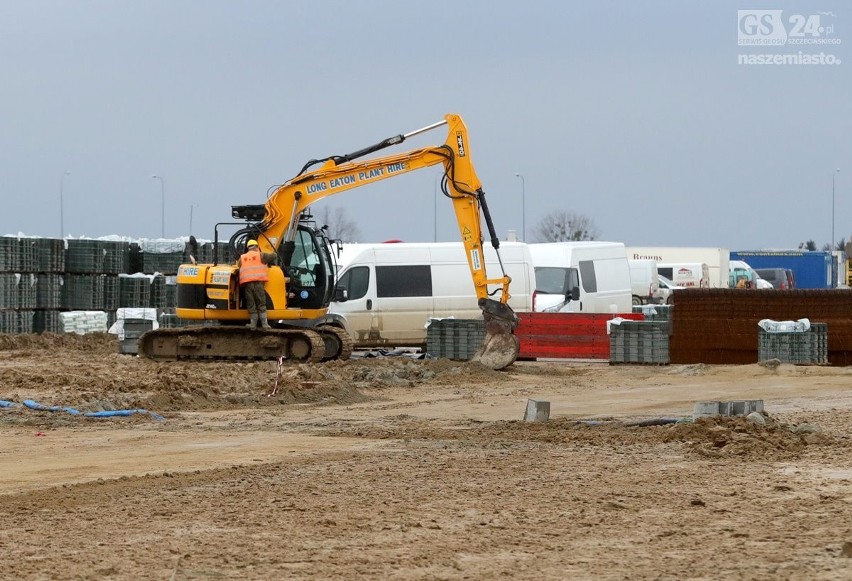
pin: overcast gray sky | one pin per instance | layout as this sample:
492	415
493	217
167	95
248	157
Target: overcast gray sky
636	114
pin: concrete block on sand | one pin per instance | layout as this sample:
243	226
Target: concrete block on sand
703	409
537	411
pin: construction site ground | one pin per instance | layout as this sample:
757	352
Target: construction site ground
398	468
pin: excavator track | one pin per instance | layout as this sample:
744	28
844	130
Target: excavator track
338	343
232	343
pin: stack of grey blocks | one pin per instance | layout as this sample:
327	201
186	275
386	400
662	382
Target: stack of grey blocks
454	338
644	342
799	348
43	278
133	329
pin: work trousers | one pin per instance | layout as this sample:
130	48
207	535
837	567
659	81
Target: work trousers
255	297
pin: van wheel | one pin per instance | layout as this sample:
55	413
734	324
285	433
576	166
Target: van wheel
637	301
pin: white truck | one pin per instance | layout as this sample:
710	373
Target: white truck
686	274
716	259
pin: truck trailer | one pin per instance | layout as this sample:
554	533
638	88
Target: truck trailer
812	269
716	259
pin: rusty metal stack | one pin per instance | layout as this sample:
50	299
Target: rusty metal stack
720	326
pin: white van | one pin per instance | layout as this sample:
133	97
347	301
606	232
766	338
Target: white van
667	289
644	282
386	293
587	277
686	274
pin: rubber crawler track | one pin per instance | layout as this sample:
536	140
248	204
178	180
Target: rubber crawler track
232	343
343	338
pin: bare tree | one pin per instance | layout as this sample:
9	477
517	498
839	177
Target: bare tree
340	226
564	226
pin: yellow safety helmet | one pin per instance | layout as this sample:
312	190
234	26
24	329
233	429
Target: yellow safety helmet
251	243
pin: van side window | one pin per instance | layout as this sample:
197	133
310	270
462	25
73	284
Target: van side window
587	274
666	272
356	281
404	281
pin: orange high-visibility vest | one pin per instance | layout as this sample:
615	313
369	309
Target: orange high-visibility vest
252	268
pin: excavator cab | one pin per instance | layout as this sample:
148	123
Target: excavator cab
308	268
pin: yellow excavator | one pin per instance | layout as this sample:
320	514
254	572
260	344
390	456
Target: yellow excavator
301	285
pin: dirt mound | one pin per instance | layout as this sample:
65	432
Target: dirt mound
101	343
706	437
720	437
87	373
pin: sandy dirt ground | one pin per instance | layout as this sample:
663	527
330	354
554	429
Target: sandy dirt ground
395	468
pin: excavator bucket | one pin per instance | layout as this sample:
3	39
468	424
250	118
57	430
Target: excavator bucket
500	347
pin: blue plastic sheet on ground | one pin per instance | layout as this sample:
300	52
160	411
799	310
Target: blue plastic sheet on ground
34	405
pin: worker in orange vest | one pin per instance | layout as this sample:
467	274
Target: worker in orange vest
253	275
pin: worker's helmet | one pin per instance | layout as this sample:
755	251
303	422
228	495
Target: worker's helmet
251	243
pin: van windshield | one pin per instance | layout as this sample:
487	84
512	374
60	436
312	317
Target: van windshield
554	280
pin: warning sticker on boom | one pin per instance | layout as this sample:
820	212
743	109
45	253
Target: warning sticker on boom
475	260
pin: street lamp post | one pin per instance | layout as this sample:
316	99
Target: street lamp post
523	207
833	175
163	206
62	203
191	206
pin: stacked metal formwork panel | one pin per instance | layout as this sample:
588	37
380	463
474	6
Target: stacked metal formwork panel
47	321
9	250
27	290
721	325
799	348
42	278
116	257
49	291
18	321
27	256
110	292
157	295
12	317
84	257
134	291
50	254
83	292
220	253
645	342
9	290
162	256
454	338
